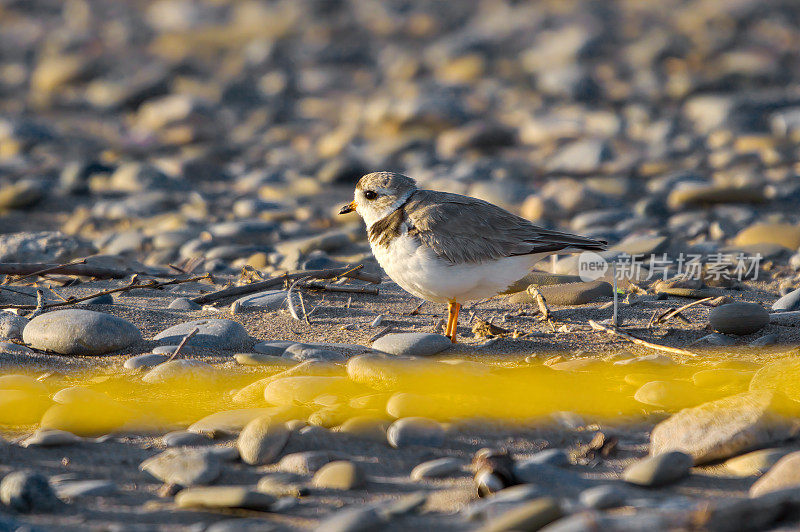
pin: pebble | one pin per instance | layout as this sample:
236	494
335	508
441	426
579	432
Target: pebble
786	235
105	299
42	246
531	515
603	497
212	334
183	467
262	440
339	475
766	340
409	431
28	492
50	438
307	462
439	468
147	360
754	463
738	318
783	475
86	488
80	332
11	325
301	353
240	524
268	301
261	359
353	519
304	389
224	497
227	421
722	428
568	293
659	470
281	484
551	457
274	348
185	438
412	344
669	394
790	301
179	369
182	303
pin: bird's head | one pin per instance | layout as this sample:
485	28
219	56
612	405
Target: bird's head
379	194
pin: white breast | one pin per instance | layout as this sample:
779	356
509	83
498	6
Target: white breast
419	271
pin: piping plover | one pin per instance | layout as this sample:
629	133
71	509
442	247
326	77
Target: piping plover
449	248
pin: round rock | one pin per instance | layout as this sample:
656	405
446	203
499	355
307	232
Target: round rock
147	360
262	440
409	431
211	333
790	301
738	318
224	497
80	332
183	467
412	344
658	470
28	491
339	475
439	468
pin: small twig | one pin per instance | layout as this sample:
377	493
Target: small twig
615	315
250	288
184	340
17	291
416	310
290	301
672	313
540	302
303	307
133	285
349	302
82	269
177	269
338	288
380	333
39	304
638	341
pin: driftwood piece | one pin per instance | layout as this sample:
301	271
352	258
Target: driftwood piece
38	268
638	341
234	291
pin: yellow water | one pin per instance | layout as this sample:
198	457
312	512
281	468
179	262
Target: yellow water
99	402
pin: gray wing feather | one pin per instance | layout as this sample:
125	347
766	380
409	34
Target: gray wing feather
463	229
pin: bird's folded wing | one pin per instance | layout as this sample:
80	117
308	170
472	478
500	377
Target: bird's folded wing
468	230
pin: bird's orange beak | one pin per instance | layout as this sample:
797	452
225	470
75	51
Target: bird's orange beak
350	207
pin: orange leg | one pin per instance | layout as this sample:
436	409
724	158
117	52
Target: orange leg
452	320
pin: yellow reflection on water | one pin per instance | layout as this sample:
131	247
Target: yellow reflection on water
378	387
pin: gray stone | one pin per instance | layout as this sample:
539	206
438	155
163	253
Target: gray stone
307	462
738	318
44	246
766	340
725	427
551	457
11	325
410	431
183	303
147	360
602	497
282	484
439	468
86	488
717	339
178	369
185	438
755	462
580	157
555	480
569	293
790	301
325	242
268	301
28	491
262	440
531	515
224	497
212	334
783	475
227	421
183	467
50	438
275	348
353	519
301	353
658	470
80	332
260	359
105	299
412	344
240	524
339	475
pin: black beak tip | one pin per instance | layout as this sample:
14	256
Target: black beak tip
345	209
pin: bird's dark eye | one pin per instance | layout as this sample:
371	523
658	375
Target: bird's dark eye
370	194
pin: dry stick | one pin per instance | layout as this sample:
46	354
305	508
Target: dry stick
183	343
673	312
292	308
615	315
85	270
303	307
51	268
337	288
233	291
542	304
380	333
17	291
131	286
639	341
39	304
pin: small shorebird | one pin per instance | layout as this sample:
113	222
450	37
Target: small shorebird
449	248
